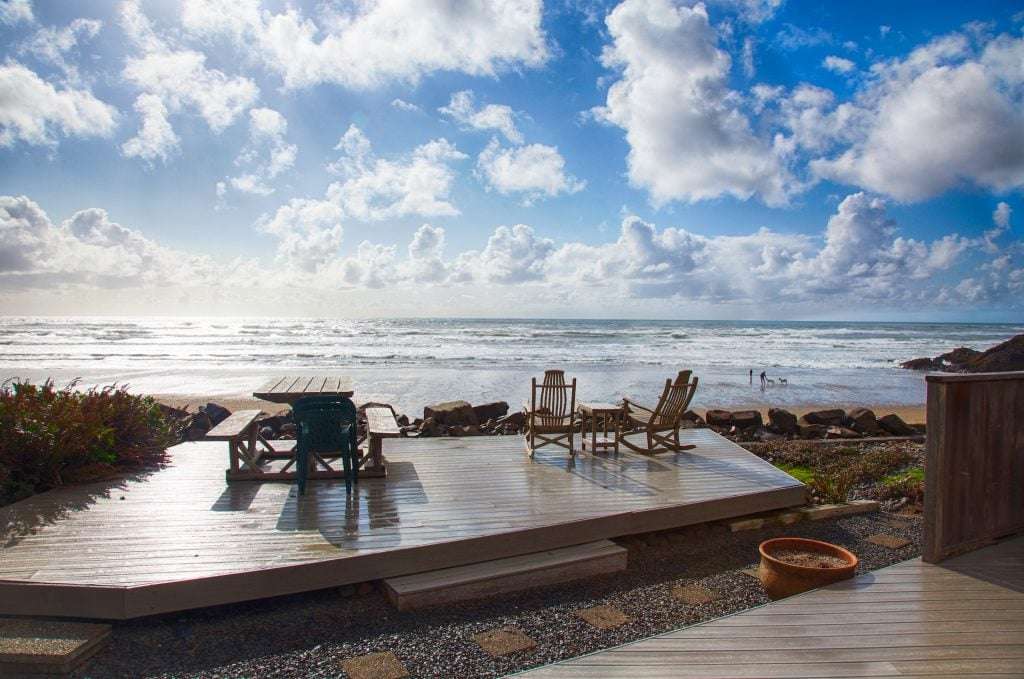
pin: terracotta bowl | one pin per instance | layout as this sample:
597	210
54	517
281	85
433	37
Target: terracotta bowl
782	579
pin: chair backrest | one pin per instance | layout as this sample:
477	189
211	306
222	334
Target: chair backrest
553	399
320	423
675	399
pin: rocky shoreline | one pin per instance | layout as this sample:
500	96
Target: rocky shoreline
1003	357
461	418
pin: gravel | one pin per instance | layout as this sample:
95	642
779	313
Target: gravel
310	635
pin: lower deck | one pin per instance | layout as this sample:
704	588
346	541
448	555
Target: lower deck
182	538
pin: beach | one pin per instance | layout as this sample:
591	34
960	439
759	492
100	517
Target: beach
415	362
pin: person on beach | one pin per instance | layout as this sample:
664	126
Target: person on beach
751	375
764	380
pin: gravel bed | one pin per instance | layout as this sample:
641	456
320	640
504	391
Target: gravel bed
309	635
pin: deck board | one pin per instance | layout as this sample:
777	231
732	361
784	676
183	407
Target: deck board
961	617
182	537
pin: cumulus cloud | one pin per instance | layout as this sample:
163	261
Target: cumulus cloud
689	138
36	112
368	44
156	139
941	117
426	252
533	171
491	117
403	105
266	155
838	64
513	255
182	82
309	233
373	188
87	249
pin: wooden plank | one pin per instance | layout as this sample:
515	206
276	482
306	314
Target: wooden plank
234	426
381	422
181	538
501	576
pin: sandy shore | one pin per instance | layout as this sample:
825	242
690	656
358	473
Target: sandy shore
912	414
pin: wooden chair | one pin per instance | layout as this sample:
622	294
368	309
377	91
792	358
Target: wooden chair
325	429
551	415
661	424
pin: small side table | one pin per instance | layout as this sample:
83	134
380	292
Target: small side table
602	416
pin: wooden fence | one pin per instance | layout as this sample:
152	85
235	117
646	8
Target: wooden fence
974	474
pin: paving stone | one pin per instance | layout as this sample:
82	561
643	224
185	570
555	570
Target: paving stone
501	642
898	525
752	572
693	594
789	518
29	646
384	665
819	512
886	540
604	617
746	524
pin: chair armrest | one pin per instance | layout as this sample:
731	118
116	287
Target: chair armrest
629	403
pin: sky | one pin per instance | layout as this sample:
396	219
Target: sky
733	159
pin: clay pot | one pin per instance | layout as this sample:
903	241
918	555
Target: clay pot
782	579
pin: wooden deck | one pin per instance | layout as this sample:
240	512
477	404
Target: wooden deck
181	538
963	618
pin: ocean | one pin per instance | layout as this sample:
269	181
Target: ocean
410	363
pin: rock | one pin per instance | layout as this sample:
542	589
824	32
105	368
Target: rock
451	413
402	420
275	422
691	416
490	411
863	420
428	427
745	419
959	357
895	425
813	431
763	434
516	419
287	429
835	432
1001	358
267	432
831	417
718	418
408	429
216	413
782	421
197	427
920	364
172	413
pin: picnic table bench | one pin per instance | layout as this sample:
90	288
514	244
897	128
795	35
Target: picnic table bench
241	431
380	424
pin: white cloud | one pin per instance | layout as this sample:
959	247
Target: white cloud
793	37
88	250
15	12
50	44
689	140
373	188
369	44
939	118
267	154
748	57
512	255
838	64
491	117
535	171
751	11
403	105
35	112
156	138
180	79
309	233
426	250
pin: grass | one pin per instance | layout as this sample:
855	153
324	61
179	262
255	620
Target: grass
801	473
912	474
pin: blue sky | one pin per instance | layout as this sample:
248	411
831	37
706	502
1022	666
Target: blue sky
651	158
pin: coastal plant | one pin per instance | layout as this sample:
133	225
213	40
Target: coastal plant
908	484
50	437
877	463
832	484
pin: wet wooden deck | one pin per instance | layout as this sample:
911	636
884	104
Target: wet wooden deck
182	538
963	617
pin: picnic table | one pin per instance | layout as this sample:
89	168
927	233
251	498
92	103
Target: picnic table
291	389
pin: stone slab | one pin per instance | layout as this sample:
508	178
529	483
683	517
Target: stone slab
889	541
33	647
694	594
499	642
385	665
820	512
604	617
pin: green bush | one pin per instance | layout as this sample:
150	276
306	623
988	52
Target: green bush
50	437
832	484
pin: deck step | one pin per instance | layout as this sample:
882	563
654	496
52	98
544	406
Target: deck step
31	647
502	576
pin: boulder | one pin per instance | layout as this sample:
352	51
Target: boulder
516	420
1001	358
894	425
216	413
831	417
782	421
692	416
745	419
402	420
428	427
921	364
863	420
841	433
197	427
763	434
490	411
958	357
813	431
718	418
451	413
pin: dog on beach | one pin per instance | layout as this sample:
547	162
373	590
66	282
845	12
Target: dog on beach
771	381
782	380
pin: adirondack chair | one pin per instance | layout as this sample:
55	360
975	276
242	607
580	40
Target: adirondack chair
551	415
660	424
325	429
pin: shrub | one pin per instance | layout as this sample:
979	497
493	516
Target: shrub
833	484
908	484
50	437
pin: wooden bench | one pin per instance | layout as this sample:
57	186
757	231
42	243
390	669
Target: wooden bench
380	424
241	431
